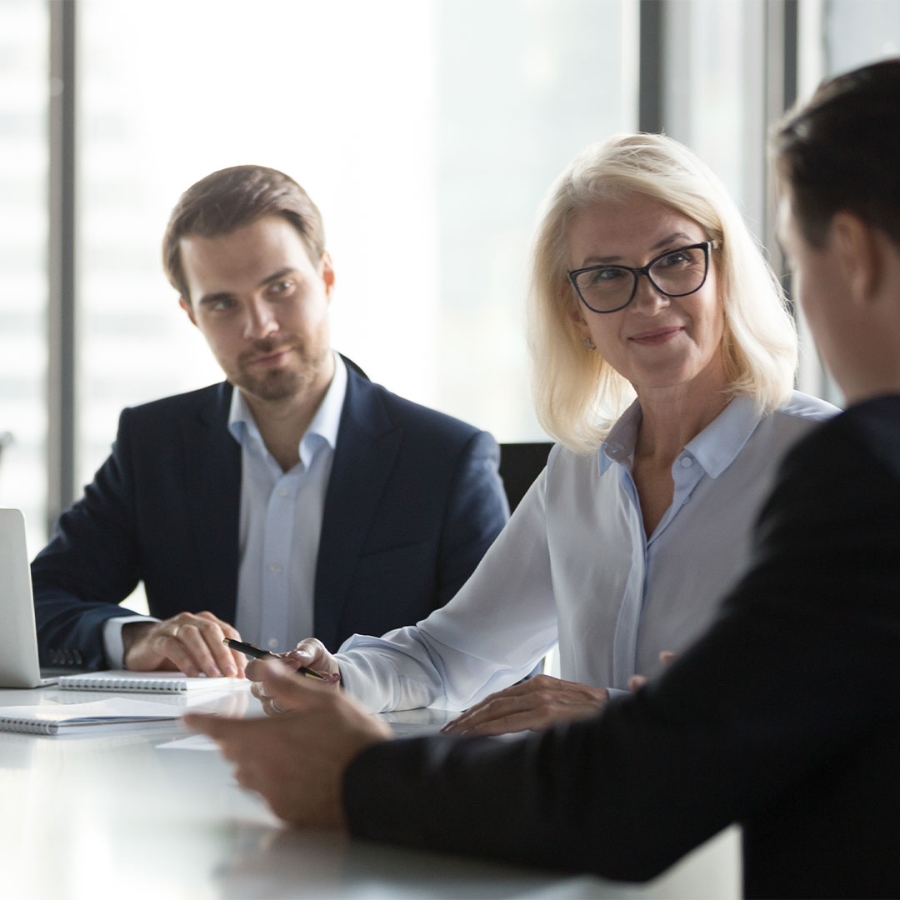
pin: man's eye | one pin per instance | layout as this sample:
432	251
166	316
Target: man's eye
281	287
223	303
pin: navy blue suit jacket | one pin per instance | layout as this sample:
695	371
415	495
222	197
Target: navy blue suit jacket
413	502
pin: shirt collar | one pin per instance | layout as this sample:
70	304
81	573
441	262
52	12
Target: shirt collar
620	442
325	423
715	448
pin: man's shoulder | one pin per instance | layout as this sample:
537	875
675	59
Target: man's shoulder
211	401
860	445
870	428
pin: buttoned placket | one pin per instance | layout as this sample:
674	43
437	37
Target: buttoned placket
277	542
686	474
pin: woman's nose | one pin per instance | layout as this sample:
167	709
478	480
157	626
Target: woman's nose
648	299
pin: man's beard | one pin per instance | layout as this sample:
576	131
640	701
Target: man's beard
283	382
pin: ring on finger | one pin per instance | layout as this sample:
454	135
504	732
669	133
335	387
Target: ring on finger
275	707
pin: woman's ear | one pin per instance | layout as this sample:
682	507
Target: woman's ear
576	314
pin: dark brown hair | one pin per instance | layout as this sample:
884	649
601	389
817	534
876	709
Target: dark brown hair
232	198
841	151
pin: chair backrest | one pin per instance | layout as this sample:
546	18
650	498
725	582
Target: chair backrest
520	464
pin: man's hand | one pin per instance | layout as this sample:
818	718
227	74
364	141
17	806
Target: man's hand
297	762
534	704
189	643
310	653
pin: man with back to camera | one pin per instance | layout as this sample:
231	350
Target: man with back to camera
295	498
785	716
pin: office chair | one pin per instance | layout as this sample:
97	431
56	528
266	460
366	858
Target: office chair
520	464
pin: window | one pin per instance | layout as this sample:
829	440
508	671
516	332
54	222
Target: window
24	30
427	133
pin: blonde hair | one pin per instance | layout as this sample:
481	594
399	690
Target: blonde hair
577	394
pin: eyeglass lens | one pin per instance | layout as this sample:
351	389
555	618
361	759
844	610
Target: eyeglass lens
675	274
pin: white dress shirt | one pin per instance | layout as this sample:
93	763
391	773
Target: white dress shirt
574	566
279	528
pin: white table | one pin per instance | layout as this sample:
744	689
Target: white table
112	815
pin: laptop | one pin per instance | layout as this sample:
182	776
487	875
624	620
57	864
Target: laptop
18	634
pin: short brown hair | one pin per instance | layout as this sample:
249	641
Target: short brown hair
232	198
841	152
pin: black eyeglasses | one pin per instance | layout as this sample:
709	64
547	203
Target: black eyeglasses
675	273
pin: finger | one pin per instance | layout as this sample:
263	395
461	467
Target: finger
194	638
309	648
229	662
511	720
492	709
526	692
287	689
313	654
170	645
636	682
255	667
667	656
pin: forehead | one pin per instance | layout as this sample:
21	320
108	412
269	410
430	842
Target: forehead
629	225
232	261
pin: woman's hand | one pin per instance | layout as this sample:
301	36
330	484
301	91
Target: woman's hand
534	704
308	654
636	682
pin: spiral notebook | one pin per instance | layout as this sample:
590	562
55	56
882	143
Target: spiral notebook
146	682
75	718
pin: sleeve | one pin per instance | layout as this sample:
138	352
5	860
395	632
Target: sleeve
89	566
490	635
800	666
476	513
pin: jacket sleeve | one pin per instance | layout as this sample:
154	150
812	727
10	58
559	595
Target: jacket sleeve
476	513
89	566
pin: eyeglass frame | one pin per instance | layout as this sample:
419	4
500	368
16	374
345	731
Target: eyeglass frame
636	273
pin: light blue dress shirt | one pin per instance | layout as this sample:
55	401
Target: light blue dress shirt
575	566
281	522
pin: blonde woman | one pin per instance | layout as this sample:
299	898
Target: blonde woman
664	361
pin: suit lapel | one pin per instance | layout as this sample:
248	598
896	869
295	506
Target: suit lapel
367	448
213	485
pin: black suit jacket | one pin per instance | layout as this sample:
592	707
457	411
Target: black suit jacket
785	717
413	502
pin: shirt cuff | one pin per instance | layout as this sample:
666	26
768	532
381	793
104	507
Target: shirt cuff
112	639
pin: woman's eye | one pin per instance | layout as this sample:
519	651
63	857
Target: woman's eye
604	276
679	258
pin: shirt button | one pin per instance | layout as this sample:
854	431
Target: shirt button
283	492
272	642
686	462
274	568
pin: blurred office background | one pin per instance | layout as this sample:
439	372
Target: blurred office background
426	130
